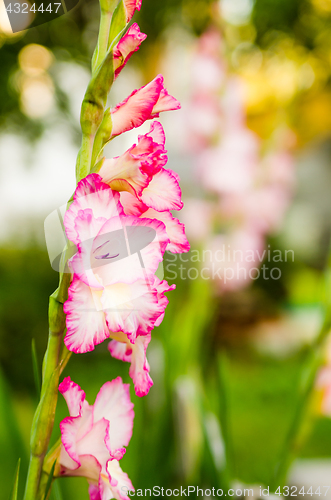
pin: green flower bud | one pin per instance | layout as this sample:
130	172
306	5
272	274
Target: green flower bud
96	96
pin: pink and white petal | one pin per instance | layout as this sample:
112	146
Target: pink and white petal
163	192
162	287
113	403
121	350
132	205
127	45
157	133
94	442
93	194
94	492
69	429
114	262
140	244
119	481
87	227
152	253
127	167
175	230
137	108
166	102
139	369
86	324
68	466
131	6
73	395
132	309
90	468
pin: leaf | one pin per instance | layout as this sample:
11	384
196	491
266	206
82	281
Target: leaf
56	492
35	367
13	494
118	24
49	480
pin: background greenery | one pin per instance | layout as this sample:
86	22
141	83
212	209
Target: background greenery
200	334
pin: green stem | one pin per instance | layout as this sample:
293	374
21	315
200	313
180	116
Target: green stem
84	158
43	421
102	46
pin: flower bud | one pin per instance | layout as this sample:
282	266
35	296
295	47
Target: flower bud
96	96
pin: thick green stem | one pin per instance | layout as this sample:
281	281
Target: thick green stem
83	165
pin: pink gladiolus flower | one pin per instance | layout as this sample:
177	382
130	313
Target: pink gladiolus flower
128	44
147	189
93	438
143	104
131	6
134	170
121	347
111	290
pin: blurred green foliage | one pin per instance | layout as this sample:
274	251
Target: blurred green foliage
260	390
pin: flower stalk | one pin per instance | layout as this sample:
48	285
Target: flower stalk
57	356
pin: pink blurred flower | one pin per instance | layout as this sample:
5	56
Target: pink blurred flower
94	437
234	258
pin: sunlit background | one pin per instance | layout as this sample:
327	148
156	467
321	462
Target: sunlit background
252	145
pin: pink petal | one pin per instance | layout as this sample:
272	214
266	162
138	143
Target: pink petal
132	309
128	44
81	264
136	355
94	492
94	442
127	167
113	404
142	105
120	347
141	244
93	194
89	468
175	230
69	428
119	481
165	103
157	133
163	192
162	287
86	325
131	204
73	395
131	6
137	108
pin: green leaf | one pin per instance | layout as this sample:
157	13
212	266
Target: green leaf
13	494
56	491
35	366
49	480
118	24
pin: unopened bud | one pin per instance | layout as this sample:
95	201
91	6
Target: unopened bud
96	96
